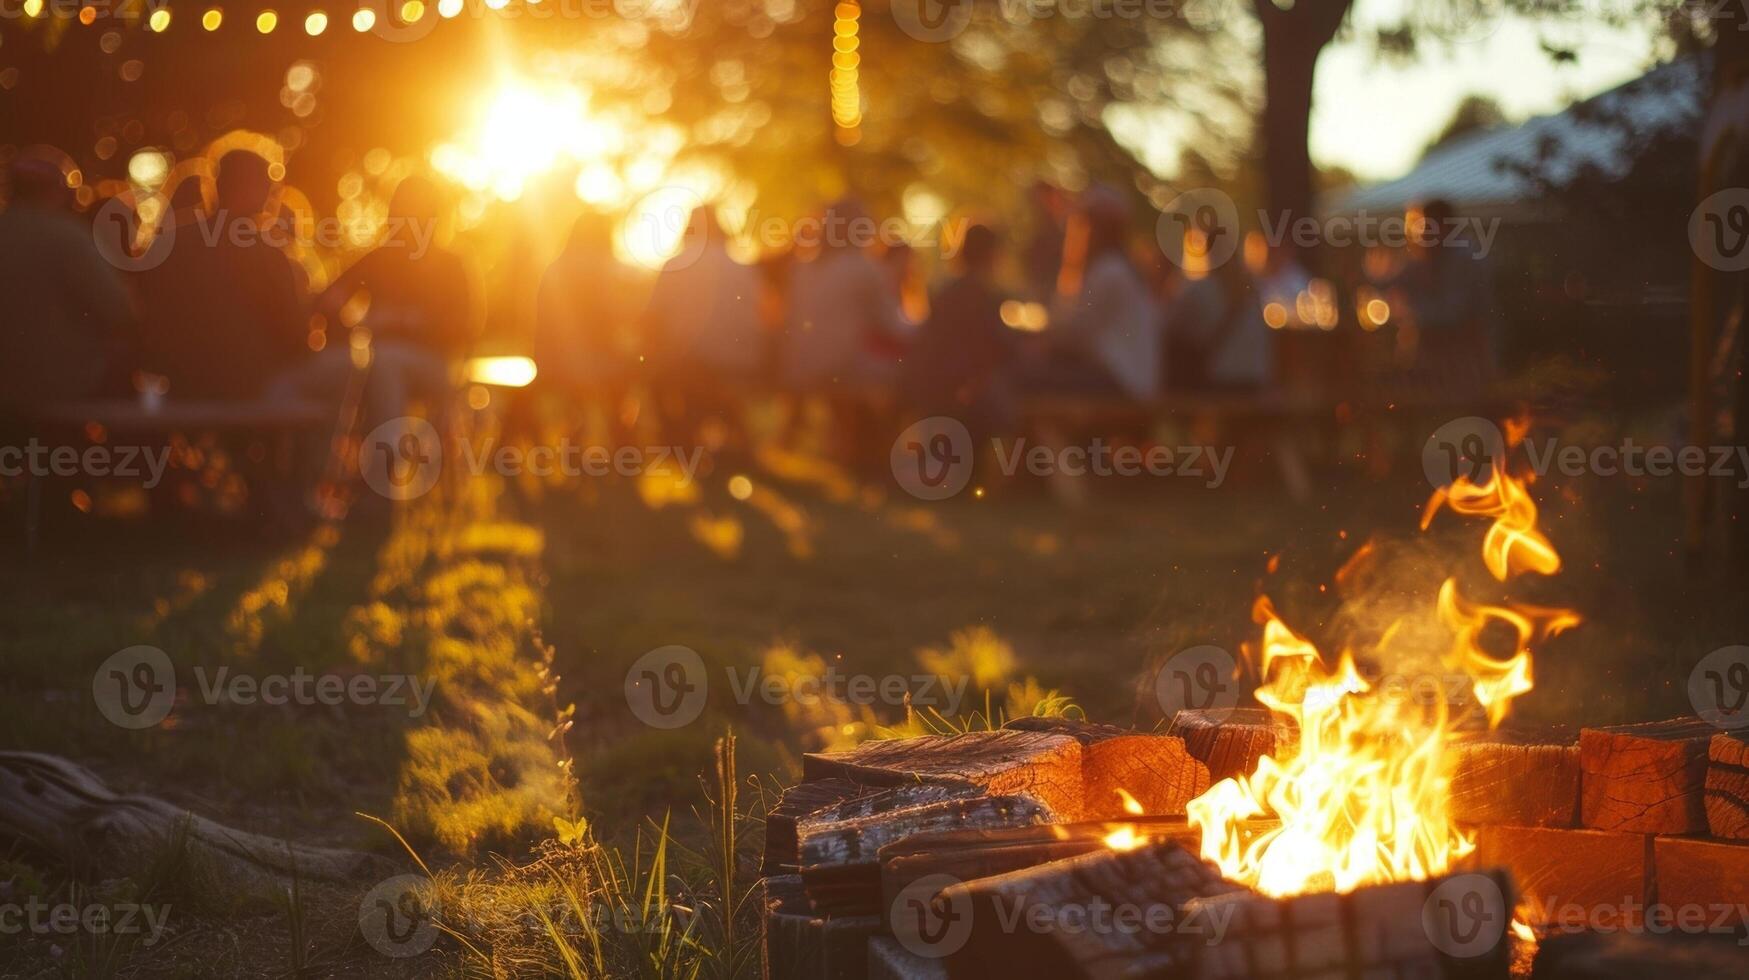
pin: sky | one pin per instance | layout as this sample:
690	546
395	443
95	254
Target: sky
1375	117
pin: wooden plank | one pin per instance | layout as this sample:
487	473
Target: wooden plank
1044	766
1727	786
1527	777
841	860
1231	742
1158	771
1403	929
1648	778
1102	914
1564	875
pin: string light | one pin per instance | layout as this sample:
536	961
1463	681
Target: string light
364	19
212	19
266	21
159	20
316	23
845	80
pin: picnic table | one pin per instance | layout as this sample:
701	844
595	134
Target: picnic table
282	423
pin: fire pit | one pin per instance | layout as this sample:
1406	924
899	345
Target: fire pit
1338	830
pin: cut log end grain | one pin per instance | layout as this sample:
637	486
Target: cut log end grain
1524	777
1157	771
1230	742
1648	779
1727	786
1046	767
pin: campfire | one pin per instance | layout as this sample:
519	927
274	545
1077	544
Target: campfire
1339	829
1363	799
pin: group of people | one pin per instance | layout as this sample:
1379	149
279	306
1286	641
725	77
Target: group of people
228	316
222	312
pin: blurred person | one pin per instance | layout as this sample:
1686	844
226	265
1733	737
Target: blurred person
1216	337
1446	289
1042	257
62	307
586	315
842	305
704	330
226	310
418	317
1105	336
960	363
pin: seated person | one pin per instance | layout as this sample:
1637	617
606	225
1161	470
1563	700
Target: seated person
1105	336
62	307
225	311
838	302
960	363
418	317
1216	337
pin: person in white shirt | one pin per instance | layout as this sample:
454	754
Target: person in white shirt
837	302
1105	335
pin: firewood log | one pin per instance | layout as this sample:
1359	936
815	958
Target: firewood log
1428	929
887	960
971	854
1727	786
1156	770
1107	913
65	809
1231	742
833	800
1625	955
1000	763
796	944
841	860
1647	779
1522	776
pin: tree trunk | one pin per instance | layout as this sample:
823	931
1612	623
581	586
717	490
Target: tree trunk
1292	40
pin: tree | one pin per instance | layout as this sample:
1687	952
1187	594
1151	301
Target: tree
1474	113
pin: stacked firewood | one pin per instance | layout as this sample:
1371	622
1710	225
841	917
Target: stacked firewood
1060	849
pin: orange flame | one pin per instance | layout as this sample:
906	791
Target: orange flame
1364	798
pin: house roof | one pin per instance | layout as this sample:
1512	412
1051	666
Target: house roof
1473	172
